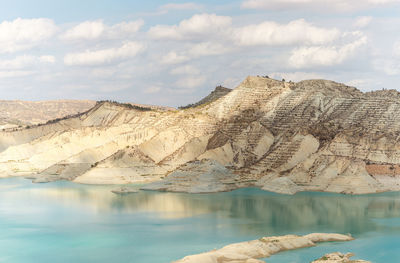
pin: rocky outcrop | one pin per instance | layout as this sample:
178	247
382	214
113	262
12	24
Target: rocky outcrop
251	251
314	135
124	190
338	258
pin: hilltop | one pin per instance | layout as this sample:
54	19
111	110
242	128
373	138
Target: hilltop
313	135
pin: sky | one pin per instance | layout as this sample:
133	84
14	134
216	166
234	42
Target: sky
174	53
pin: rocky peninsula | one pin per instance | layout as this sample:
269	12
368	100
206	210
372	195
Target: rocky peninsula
285	137
252	251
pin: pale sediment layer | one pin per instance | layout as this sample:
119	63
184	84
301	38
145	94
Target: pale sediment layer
252	251
314	135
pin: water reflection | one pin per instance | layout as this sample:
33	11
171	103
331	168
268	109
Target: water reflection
264	213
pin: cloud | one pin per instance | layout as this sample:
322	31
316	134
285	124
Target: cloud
396	48
165	9
295	32
218	31
295	76
306	57
124	29
22	34
47	59
207	49
390	67
15	74
358	82
25	61
85	30
195	51
362	21
193	28
322	5
104	56
183	6
185	70
190	82
90	30
173	58
152	90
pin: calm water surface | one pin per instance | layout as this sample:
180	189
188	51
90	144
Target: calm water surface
66	222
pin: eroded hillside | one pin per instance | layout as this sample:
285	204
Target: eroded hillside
314	135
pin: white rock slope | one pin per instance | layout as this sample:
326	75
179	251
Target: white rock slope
314	135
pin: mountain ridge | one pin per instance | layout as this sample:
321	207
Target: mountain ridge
286	137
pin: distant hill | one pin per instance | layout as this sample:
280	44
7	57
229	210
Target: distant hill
14	113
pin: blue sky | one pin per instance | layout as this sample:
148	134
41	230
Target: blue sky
173	53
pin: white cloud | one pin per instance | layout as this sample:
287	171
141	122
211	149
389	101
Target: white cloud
295	32
357	82
218	31
207	49
231	82
104	56
389	66
15	74
85	30
47	59
185	70
152	90
173	58
124	29
306	57
396	48
90	30
190	82
323	5
183	6
295	76
25	61
195	27
22	34
362	21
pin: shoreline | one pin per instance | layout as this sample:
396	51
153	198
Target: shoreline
142	187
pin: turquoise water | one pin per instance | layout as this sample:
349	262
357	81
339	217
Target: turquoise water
66	222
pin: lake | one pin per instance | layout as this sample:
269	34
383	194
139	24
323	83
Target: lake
67	222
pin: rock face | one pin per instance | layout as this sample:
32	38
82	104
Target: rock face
314	135
338	258
22	113
251	251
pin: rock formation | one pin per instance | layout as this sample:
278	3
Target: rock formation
314	135
338	258
252	251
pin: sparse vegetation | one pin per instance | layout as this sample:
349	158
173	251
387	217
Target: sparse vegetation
126	105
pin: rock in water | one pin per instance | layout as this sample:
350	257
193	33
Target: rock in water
338	258
251	251
124	190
